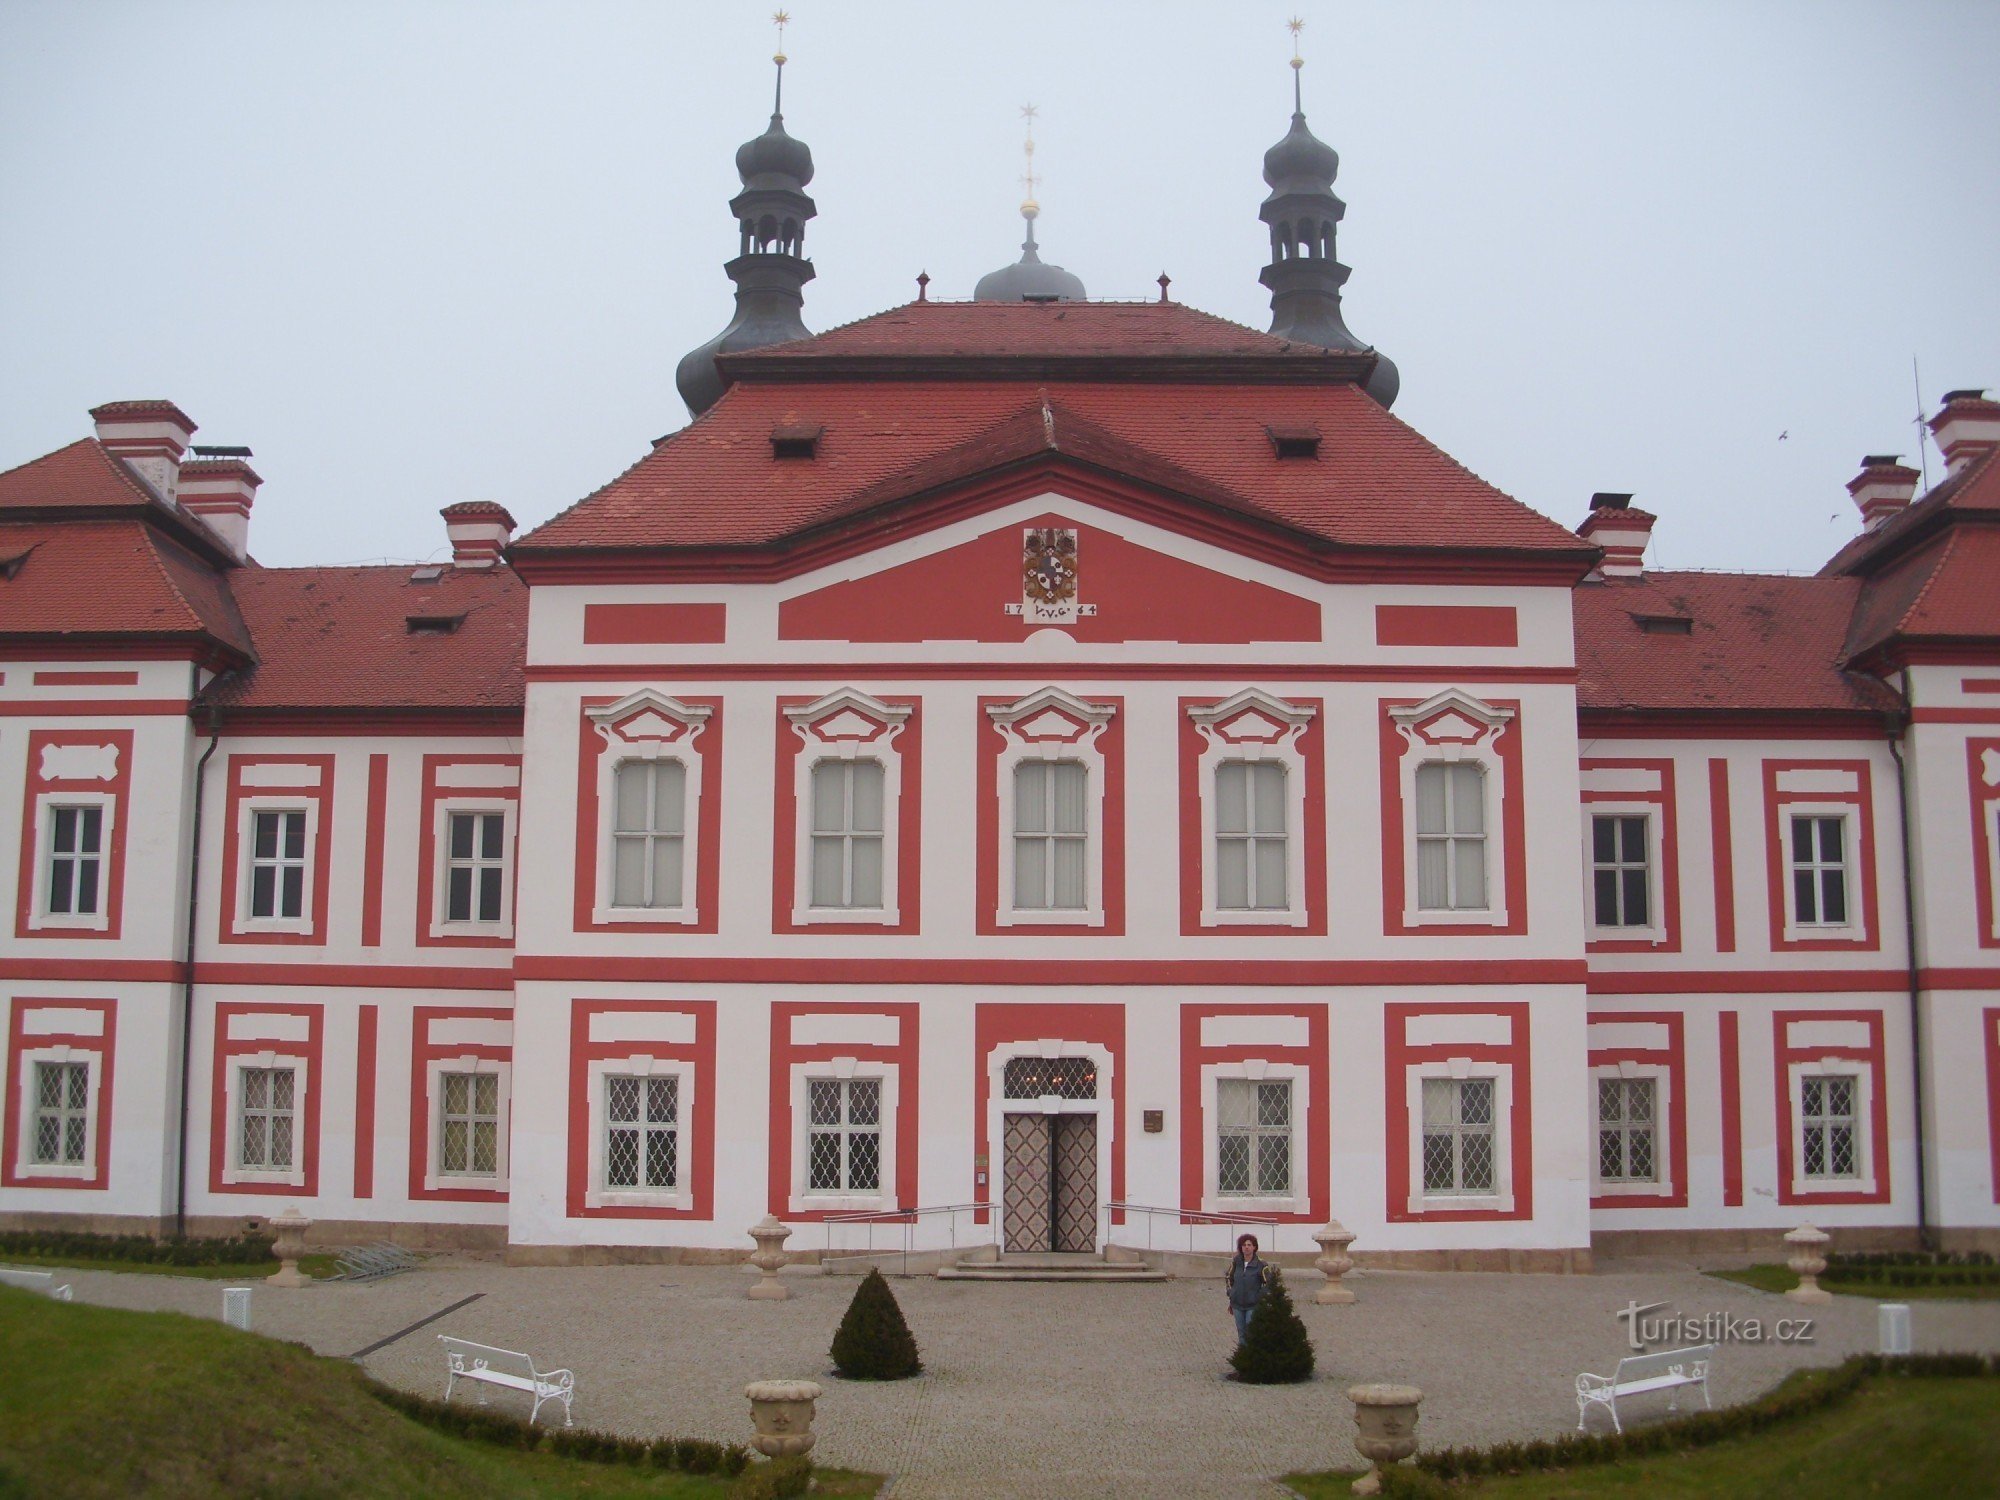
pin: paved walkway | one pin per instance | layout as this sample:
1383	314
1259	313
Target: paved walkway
1050	1391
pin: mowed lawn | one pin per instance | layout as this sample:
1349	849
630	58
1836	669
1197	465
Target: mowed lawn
99	1402
1898	1436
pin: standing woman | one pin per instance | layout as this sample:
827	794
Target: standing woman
1248	1276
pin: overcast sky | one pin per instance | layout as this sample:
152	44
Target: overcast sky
436	250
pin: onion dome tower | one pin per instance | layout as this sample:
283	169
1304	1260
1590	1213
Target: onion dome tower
770	269
1028	279
1302	210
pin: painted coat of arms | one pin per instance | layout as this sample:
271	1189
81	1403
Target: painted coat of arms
1049	576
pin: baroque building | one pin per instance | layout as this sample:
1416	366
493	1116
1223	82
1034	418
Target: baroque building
1075	771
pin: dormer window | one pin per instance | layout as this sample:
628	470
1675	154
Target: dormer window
428	573
1294	442
13	561
795	441
1665	624
433	624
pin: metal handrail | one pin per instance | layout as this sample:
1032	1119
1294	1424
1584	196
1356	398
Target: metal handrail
907	1217
1191	1218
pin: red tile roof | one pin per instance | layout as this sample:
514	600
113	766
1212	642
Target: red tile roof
339	639
1945	591
92	578
1972	494
84	477
1377	483
1755	644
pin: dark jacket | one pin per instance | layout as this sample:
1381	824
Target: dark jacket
1247	1280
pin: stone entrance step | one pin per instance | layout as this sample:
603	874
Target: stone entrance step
1049	1267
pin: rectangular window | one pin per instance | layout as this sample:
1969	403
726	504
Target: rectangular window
265	1123
76	860
847	834
1819	871
642	1132
1451	837
1627	1130
1253	1146
1458	1135
1050	835
844	1139
1827	1113
278	863
62	1114
1620	870
1250	836
475	867
649	834
469	1124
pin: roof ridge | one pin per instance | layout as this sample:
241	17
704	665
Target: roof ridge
173	584
1951	540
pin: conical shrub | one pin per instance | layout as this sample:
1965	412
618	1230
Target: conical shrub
873	1342
1276	1350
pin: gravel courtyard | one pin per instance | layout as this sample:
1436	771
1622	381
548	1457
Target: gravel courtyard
1035	1390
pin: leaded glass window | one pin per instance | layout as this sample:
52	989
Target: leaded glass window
1827	1110
642	1132
469	1124
1253	1147
61	1131
1458	1135
266	1119
1035	1077
844	1135
1451	836
1627	1130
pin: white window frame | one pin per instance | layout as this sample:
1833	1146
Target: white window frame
25	1164
1253	1070
1029	727
806	1198
233	1170
612	833
246	863
648	725
1662	1182
1256	727
46	804
1862	1071
435	1176
1453	727
1851	865
1655	928
507	810
848	725
1501	1199
640	1065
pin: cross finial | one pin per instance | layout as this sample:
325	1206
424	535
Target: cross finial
1029	208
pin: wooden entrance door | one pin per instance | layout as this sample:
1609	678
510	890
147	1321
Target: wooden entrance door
1050	1183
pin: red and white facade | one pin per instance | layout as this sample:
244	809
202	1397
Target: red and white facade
1039	758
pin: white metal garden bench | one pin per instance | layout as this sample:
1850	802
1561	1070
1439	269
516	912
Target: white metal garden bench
465	1360
35	1281
1639	1373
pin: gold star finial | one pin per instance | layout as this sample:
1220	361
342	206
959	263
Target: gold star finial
1296	25
780	19
1029	206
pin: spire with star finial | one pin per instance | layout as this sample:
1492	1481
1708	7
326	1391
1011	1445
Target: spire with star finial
1028	279
1302	211
770	269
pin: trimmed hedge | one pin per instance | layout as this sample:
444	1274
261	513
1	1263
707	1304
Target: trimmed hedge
135	1249
1698	1430
479	1425
1913	1268
1276	1350
873	1341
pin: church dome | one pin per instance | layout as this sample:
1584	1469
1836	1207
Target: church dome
774	159
1029	279
1301	161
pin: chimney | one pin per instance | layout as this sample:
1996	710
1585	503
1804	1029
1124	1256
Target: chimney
150	437
478	530
1967	429
220	490
1884	488
1621	531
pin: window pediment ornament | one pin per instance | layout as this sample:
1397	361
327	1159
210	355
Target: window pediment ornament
1451	718
1050	716
848	716
1251	718
648	720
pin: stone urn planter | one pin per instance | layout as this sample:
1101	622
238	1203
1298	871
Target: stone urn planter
768	1257
1386	1419
1807	1260
781	1411
290	1229
1334	1262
